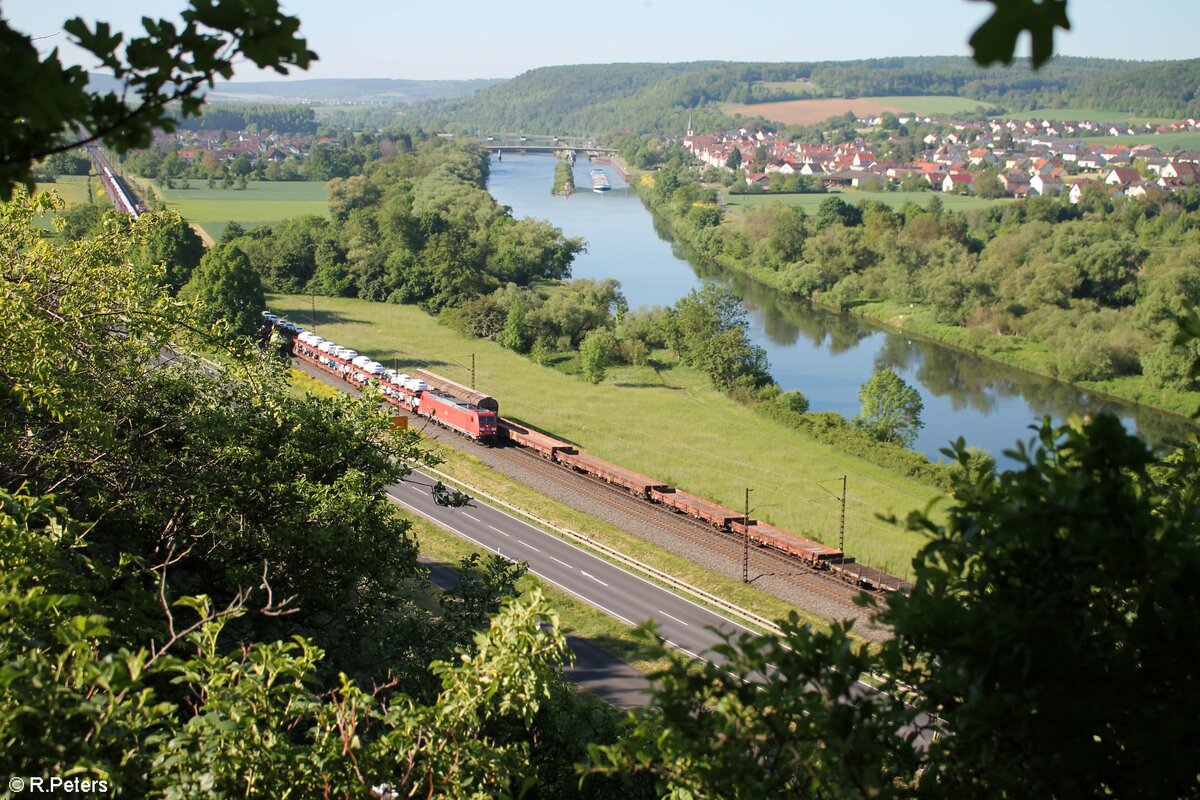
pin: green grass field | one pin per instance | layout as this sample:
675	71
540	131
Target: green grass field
934	104
1088	113
1185	140
73	189
667	424
810	202
260	203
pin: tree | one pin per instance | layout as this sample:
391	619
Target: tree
228	290
526	250
171	63
175	246
1061	682
987	184
595	353
80	220
890	409
734	159
718	731
347	194
707	329
836	211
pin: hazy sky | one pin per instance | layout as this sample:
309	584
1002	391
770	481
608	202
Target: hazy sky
473	39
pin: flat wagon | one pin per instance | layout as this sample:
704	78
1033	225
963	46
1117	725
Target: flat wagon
540	443
764	534
705	510
639	485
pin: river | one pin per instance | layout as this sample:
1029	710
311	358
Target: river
826	356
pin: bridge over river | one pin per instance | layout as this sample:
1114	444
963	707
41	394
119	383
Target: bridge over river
541	143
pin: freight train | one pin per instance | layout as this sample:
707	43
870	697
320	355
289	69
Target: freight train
476	416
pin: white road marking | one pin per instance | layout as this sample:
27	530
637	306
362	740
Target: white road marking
531	547
641	578
469	516
565	564
593	577
587	600
671	616
497	530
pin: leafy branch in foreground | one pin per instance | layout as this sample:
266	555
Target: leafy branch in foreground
50	109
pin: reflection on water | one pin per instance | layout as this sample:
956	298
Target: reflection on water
827	356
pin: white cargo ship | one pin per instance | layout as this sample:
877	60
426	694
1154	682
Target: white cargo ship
600	181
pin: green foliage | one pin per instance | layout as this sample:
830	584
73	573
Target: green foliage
228	291
176	247
719	730
71	162
277	117
216	480
1060	682
996	39
168	64
707	330
987	184
891	409
80	220
596	353
564	179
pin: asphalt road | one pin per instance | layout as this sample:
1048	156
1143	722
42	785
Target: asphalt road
619	593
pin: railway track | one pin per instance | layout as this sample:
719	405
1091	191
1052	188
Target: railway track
818	591
726	545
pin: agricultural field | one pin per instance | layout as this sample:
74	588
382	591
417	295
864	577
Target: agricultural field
810	202
260	203
809	112
668	423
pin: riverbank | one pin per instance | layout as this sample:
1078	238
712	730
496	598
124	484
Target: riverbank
918	321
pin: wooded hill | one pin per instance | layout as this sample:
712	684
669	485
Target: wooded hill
660	98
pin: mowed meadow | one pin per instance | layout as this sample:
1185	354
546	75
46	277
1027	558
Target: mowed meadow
814	110
666	423
260	203
811	202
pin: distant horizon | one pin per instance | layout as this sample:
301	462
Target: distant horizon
304	76
367	39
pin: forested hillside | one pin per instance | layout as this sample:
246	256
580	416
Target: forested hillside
660	98
1170	89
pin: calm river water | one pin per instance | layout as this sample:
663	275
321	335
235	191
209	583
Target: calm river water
826	356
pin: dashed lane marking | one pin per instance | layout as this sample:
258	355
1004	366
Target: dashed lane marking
671	616
593	577
565	564
531	547
497	530
470	516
